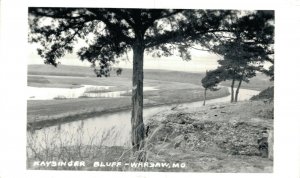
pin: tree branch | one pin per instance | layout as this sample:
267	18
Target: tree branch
50	12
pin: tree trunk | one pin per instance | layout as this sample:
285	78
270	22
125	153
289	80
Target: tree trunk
137	124
237	90
232	90
204	96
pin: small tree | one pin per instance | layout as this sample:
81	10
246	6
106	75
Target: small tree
246	49
237	70
211	81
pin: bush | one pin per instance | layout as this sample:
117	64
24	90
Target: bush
265	94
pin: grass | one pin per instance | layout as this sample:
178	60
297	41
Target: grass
50	112
67	109
60	70
218	138
203	147
53	147
173	87
37	79
259	82
265	94
75	82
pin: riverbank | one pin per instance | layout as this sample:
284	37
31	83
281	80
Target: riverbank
47	113
215	138
173	87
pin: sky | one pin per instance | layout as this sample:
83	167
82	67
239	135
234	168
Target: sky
201	61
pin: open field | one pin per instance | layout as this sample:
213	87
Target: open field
259	82
62	70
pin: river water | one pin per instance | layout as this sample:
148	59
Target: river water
91	91
112	129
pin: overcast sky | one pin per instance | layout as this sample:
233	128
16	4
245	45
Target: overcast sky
201	61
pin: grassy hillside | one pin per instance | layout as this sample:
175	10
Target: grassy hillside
80	71
260	82
60	70
265	94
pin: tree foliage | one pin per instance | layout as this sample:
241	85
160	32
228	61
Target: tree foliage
111	33
212	79
246	48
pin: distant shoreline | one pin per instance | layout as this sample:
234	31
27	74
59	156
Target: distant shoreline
36	125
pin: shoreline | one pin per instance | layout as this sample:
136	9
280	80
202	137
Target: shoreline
37	125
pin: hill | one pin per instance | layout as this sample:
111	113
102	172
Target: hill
259	82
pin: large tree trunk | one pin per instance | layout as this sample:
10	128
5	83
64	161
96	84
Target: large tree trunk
137	124
232	90
237	90
204	96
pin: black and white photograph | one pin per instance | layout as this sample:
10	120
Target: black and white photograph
167	90
149	90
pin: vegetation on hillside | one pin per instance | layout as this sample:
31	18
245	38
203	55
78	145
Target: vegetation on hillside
259	82
267	94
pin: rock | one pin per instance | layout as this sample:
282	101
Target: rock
176	145
181	121
174	107
213	107
177	141
263	146
217	107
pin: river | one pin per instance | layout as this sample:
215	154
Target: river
90	91
112	129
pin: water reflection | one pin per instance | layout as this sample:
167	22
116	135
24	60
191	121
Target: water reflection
93	91
109	129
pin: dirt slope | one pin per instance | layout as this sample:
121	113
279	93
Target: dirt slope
215	138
